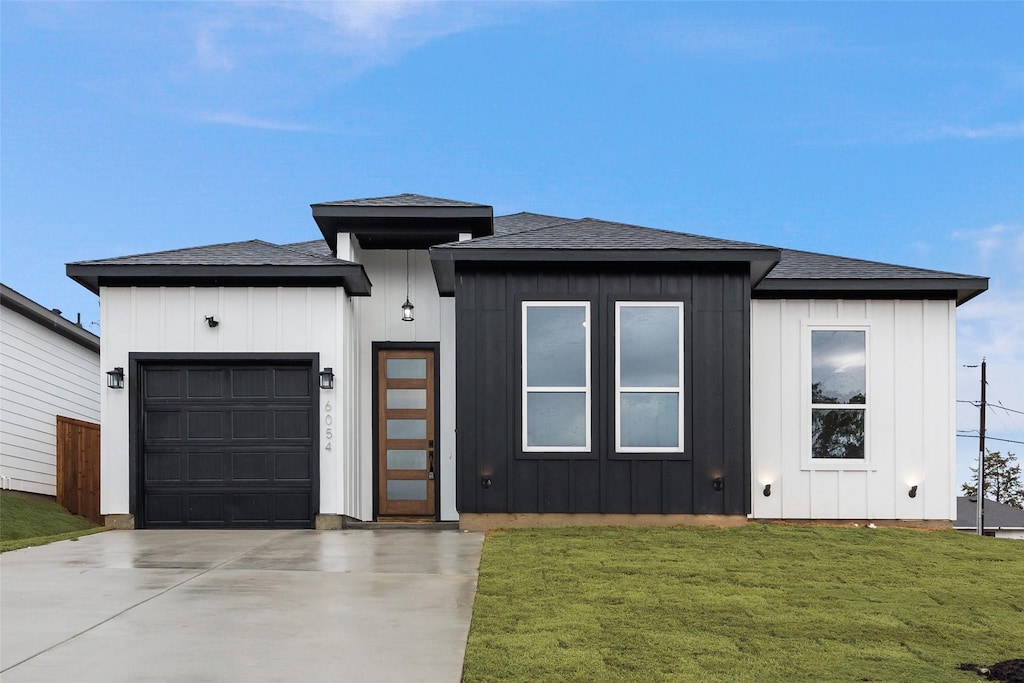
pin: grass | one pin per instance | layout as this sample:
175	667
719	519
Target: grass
757	603
26	522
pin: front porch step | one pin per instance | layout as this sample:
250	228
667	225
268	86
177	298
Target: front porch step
402	524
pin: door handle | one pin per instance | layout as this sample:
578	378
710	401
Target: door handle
430	458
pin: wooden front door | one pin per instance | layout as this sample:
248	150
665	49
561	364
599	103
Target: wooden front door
406	463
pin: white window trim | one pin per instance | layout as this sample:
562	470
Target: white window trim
586	389
832	464
619	389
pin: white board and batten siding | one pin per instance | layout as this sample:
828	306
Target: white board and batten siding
256	320
322	320
910	422
379	319
43	374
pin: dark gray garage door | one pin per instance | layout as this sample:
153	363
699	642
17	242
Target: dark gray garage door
228	445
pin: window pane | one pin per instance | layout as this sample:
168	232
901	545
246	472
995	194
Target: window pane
556	347
407	460
649	346
407	398
838	363
407	429
837	433
407	368
407	489
649	420
556	419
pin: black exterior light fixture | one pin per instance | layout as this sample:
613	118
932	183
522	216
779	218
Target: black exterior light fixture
211	321
115	378
913	491
485	482
767	490
407	306
718	483
327	378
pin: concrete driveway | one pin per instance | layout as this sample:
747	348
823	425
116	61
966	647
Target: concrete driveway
239	606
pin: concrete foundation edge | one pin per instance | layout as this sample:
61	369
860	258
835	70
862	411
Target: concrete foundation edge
485	521
120	522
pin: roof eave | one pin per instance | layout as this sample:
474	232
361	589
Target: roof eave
351	276
961	289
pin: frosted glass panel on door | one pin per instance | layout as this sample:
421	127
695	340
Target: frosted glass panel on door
556	346
407	398
406	368
556	419
407	429
407	460
649	420
649	346
407	489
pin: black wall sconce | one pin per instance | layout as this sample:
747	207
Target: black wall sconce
115	378
211	321
486	482
718	483
327	378
913	491
767	490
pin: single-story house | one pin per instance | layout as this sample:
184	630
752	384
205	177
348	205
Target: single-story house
49	368
424	359
1001	520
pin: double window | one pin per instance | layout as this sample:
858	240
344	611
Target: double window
648	377
838	394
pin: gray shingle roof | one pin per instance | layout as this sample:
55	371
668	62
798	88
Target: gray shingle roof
312	247
250	253
997	515
517	222
806	265
591	234
252	263
401	200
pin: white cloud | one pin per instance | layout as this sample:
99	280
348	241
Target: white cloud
996	130
244	121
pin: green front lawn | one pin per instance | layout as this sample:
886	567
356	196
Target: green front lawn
758	603
33	521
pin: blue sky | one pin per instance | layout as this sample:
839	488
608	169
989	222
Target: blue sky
891	132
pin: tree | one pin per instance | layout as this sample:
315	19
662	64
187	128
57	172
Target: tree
1003	482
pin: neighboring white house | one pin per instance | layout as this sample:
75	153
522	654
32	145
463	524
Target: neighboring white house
48	367
425	359
1001	520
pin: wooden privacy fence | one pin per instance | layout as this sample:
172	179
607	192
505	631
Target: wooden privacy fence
78	467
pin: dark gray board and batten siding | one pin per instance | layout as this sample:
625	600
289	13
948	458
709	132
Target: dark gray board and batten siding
716	394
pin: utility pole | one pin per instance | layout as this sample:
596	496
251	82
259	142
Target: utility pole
981	457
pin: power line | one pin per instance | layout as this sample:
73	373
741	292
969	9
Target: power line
992	438
1009	410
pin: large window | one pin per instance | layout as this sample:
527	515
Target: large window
838	394
556	376
648	377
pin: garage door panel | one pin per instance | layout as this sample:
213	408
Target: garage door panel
249	383
161	424
235	449
249	466
250	424
291	383
291	424
163	466
205	466
204	383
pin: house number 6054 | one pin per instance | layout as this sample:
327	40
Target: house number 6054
328	421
